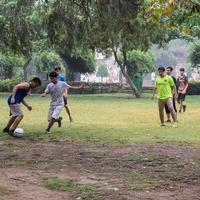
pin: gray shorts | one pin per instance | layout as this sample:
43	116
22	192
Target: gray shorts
54	112
15	110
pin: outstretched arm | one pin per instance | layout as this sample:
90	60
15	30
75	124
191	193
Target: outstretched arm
77	87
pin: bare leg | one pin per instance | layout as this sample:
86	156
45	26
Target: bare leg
69	113
16	122
168	116
10	122
161	106
171	109
181	106
51	122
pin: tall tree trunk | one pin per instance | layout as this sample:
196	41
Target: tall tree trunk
128	79
25	69
130	82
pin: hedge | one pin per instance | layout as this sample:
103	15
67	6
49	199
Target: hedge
7	85
194	88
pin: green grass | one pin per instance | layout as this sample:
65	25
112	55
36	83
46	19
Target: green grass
111	118
54	183
138	182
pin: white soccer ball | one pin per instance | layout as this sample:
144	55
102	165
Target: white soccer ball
19	132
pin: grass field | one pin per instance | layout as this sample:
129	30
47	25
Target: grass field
115	149
113	118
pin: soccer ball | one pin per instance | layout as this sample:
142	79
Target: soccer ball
19	132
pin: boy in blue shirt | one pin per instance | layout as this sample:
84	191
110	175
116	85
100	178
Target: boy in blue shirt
16	114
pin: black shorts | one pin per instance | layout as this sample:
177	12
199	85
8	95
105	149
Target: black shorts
181	97
174	105
65	100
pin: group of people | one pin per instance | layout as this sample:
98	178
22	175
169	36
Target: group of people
169	90
57	88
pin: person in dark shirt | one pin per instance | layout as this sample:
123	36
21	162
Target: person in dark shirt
15	99
169	71
182	85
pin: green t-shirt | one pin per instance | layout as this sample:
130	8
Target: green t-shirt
164	86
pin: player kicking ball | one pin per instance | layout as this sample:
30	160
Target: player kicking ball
56	89
15	99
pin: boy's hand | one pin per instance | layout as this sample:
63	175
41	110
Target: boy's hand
29	108
12	100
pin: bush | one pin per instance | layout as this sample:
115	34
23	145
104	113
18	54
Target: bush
8	84
194	88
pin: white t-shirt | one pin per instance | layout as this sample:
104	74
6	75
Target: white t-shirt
56	91
153	76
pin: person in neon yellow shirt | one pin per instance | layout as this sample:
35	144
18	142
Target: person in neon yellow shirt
164	85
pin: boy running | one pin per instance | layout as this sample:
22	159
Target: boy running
56	89
65	95
163	85
169	71
19	92
182	85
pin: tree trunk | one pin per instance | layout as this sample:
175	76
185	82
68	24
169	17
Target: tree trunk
128	79
25	69
130	82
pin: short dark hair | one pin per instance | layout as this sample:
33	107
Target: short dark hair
170	68
36	80
57	67
161	68
182	69
53	75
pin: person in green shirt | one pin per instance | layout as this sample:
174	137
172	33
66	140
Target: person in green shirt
164	85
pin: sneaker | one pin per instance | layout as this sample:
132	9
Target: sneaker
184	108
162	124
168	121
175	125
47	132
179	111
60	122
6	130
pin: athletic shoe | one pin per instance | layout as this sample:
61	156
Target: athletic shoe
6	130
179	111
184	108
175	125
168	121
162	124
60	122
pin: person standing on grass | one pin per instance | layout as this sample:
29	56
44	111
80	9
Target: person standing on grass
153	78
169	71
182	85
19	92
65	95
56	89
163	85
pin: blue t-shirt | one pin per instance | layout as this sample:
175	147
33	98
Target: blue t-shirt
60	77
20	94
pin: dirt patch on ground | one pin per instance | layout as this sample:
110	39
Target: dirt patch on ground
142	171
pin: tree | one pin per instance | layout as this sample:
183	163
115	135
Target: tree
194	55
102	72
9	64
139	62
